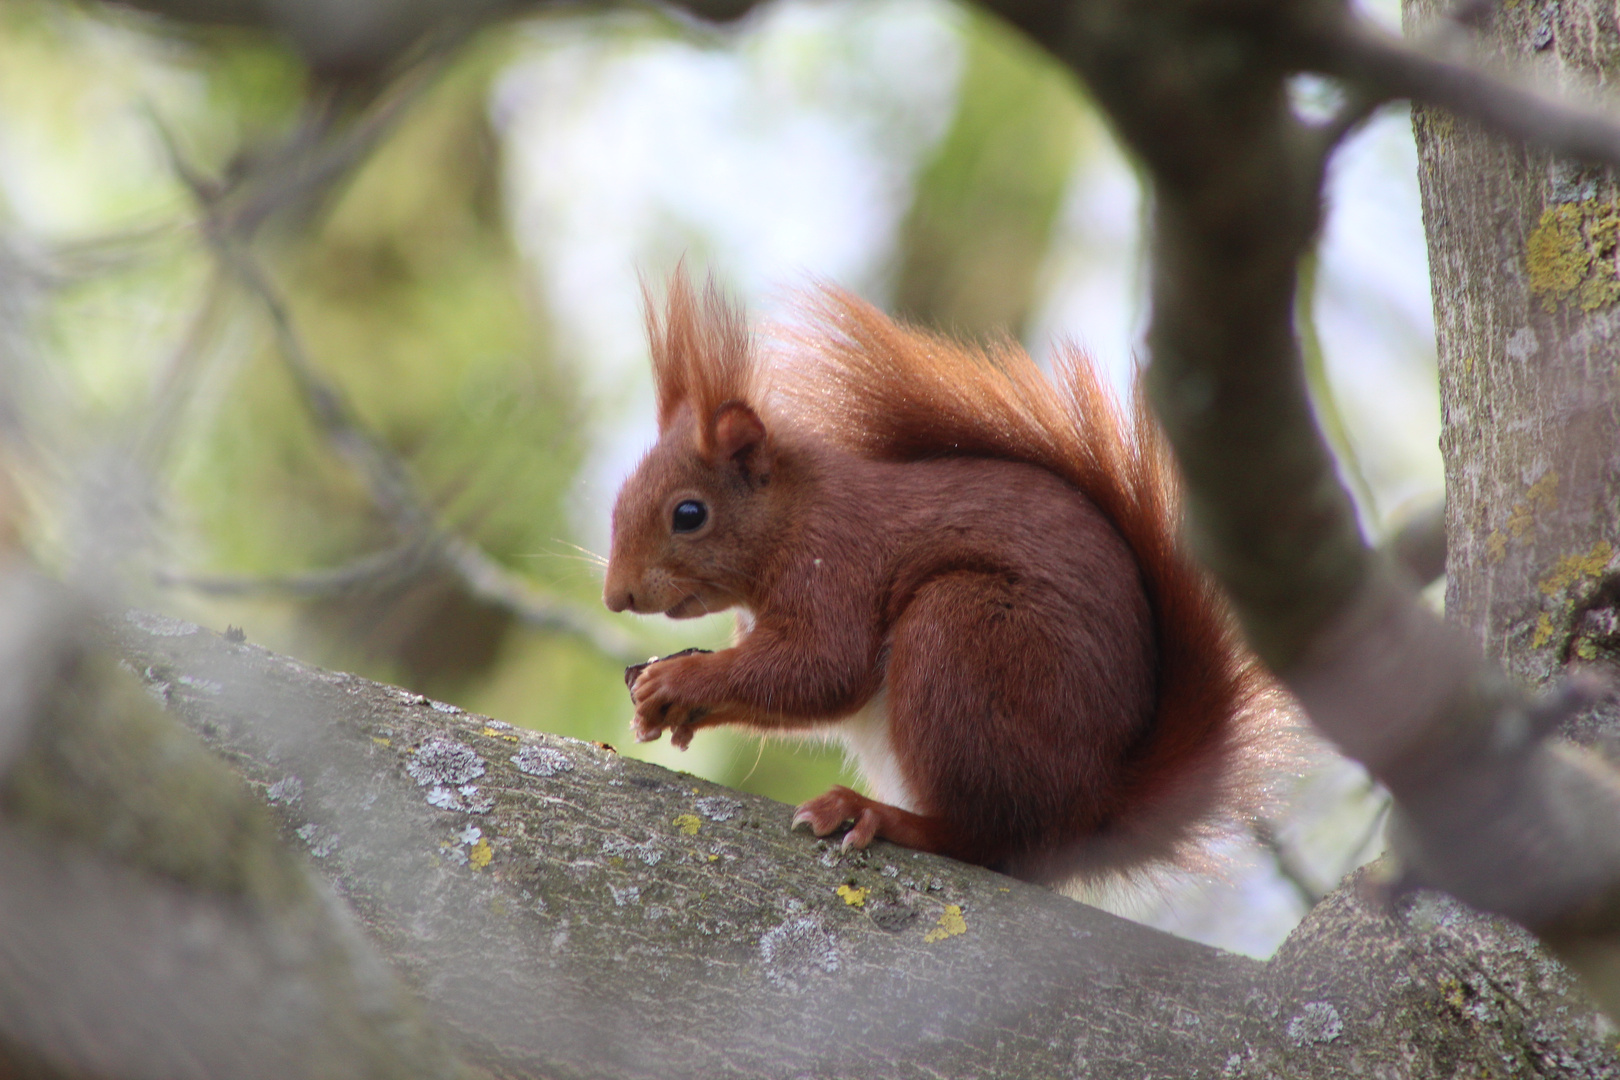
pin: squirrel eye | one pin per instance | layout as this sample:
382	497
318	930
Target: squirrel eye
690	516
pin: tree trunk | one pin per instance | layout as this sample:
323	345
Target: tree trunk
1522	255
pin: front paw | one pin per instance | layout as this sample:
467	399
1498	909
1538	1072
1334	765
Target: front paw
662	705
633	672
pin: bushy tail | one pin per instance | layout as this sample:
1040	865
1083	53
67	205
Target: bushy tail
893	392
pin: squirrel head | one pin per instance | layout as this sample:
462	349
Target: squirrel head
691	523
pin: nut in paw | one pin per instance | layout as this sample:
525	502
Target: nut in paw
661	704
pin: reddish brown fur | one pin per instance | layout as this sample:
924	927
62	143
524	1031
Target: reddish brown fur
906	514
701	353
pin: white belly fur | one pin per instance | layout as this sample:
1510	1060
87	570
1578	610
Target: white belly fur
865	736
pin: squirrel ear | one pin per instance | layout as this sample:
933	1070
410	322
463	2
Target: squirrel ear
738	435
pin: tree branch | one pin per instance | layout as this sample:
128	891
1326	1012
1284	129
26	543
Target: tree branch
566	910
1378	64
151	921
1419	545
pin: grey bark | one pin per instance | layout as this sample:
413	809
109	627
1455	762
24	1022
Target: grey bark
151	922
612	918
1522	259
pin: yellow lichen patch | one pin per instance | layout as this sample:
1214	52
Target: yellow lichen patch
853	896
1519	520
1543	494
1602	288
380	741
479	854
1572	568
1586	649
713	858
1598	292
688	823
1556	256
1468	364
1496	546
503	735
1544	631
950	924
1571	254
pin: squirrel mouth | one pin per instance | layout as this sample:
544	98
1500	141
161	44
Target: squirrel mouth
680	609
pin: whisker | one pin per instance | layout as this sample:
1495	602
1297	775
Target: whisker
560	555
685	579
586	555
600	560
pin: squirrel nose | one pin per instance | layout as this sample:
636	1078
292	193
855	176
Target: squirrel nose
618	599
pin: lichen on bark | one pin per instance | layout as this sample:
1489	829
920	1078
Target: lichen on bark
1571	255
1523	253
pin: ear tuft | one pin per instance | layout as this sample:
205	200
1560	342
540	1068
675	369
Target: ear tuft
737	434
702	353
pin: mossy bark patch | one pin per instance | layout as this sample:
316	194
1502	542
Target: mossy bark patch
107	769
1571	255
152	921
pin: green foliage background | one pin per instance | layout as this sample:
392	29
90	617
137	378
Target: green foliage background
409	295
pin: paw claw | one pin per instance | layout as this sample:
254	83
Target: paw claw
864	830
828	812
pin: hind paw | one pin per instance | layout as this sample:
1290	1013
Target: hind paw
826	813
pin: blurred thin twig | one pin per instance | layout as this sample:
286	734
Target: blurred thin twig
1288	867
394	492
1323	397
1437	70
396	563
228	226
1288	864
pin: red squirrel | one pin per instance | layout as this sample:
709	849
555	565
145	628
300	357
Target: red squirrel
973	571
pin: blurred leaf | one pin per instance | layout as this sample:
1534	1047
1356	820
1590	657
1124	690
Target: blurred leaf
408	298
983	212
